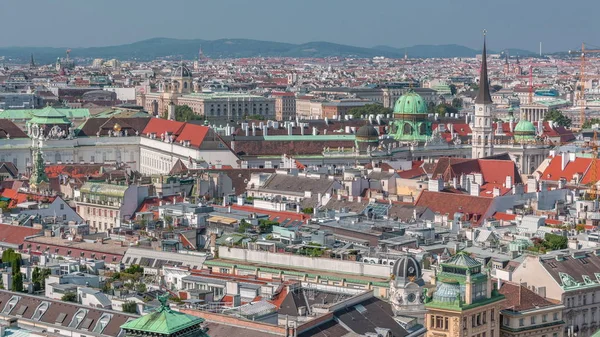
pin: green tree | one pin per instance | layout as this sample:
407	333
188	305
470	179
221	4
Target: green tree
557	117
266	226
4	206
444	109
244	226
588	123
308	210
183	113
130	307
555	242
69	297
141	287
13	258
474	86
134	269
453	89
580	228
17	282
369	109
457	103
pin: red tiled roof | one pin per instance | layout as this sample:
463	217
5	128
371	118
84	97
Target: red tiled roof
495	171
554	170
151	203
17	197
160	126
16	234
474	208
194	133
519	298
504	216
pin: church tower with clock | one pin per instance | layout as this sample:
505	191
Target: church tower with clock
483	134
406	288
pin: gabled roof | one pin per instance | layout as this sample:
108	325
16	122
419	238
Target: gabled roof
474	208
554	170
164	321
520	298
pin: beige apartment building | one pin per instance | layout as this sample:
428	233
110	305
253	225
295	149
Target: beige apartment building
572	279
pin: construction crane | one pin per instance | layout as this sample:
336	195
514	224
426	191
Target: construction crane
581	95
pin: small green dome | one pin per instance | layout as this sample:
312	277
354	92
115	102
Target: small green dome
410	103
525	126
525	131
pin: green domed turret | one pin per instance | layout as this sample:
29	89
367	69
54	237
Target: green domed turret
410	103
525	131
410	118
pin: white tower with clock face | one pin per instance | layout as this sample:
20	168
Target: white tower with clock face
482	133
406	288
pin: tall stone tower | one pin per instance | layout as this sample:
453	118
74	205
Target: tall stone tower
483	133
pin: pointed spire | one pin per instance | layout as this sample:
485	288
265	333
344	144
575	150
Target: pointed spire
483	95
32	61
517	58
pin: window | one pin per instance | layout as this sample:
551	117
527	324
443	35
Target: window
492	315
532	319
555	316
521	322
62	206
506	321
545	318
64	217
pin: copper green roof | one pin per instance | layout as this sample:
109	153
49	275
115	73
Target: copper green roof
164	321
524	131
29	113
49	115
462	260
410	103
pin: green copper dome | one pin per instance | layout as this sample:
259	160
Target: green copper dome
525	131
410	103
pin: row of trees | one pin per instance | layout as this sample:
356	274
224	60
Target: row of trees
13	258
558	118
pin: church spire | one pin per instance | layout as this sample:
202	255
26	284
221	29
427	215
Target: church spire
483	95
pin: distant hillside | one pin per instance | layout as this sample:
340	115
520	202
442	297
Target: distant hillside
232	48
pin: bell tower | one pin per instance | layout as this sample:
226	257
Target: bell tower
482	135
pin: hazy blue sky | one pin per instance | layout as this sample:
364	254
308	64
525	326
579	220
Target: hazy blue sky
559	24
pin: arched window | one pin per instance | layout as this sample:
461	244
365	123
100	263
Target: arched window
185	85
486	140
407	129
479	140
422	129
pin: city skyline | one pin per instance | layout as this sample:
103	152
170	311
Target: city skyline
512	25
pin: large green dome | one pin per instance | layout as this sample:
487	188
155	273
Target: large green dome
410	103
525	131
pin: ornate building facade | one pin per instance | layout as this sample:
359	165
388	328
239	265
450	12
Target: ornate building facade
465	301
406	288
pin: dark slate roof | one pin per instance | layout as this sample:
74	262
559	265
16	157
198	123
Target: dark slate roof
378	314
7	127
586	263
27	305
483	95
103	125
298	184
328	329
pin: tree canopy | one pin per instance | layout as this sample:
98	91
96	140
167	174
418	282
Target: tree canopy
183	113
369	109
588	123
557	117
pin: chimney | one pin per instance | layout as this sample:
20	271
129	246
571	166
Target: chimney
339	197
265	128
289	128
564	160
253	129
246	131
562	183
495	192
508	183
532	185
314	131
572	156
302	129
451	128
436	185
475	189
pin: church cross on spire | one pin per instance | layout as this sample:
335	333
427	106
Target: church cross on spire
483	95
